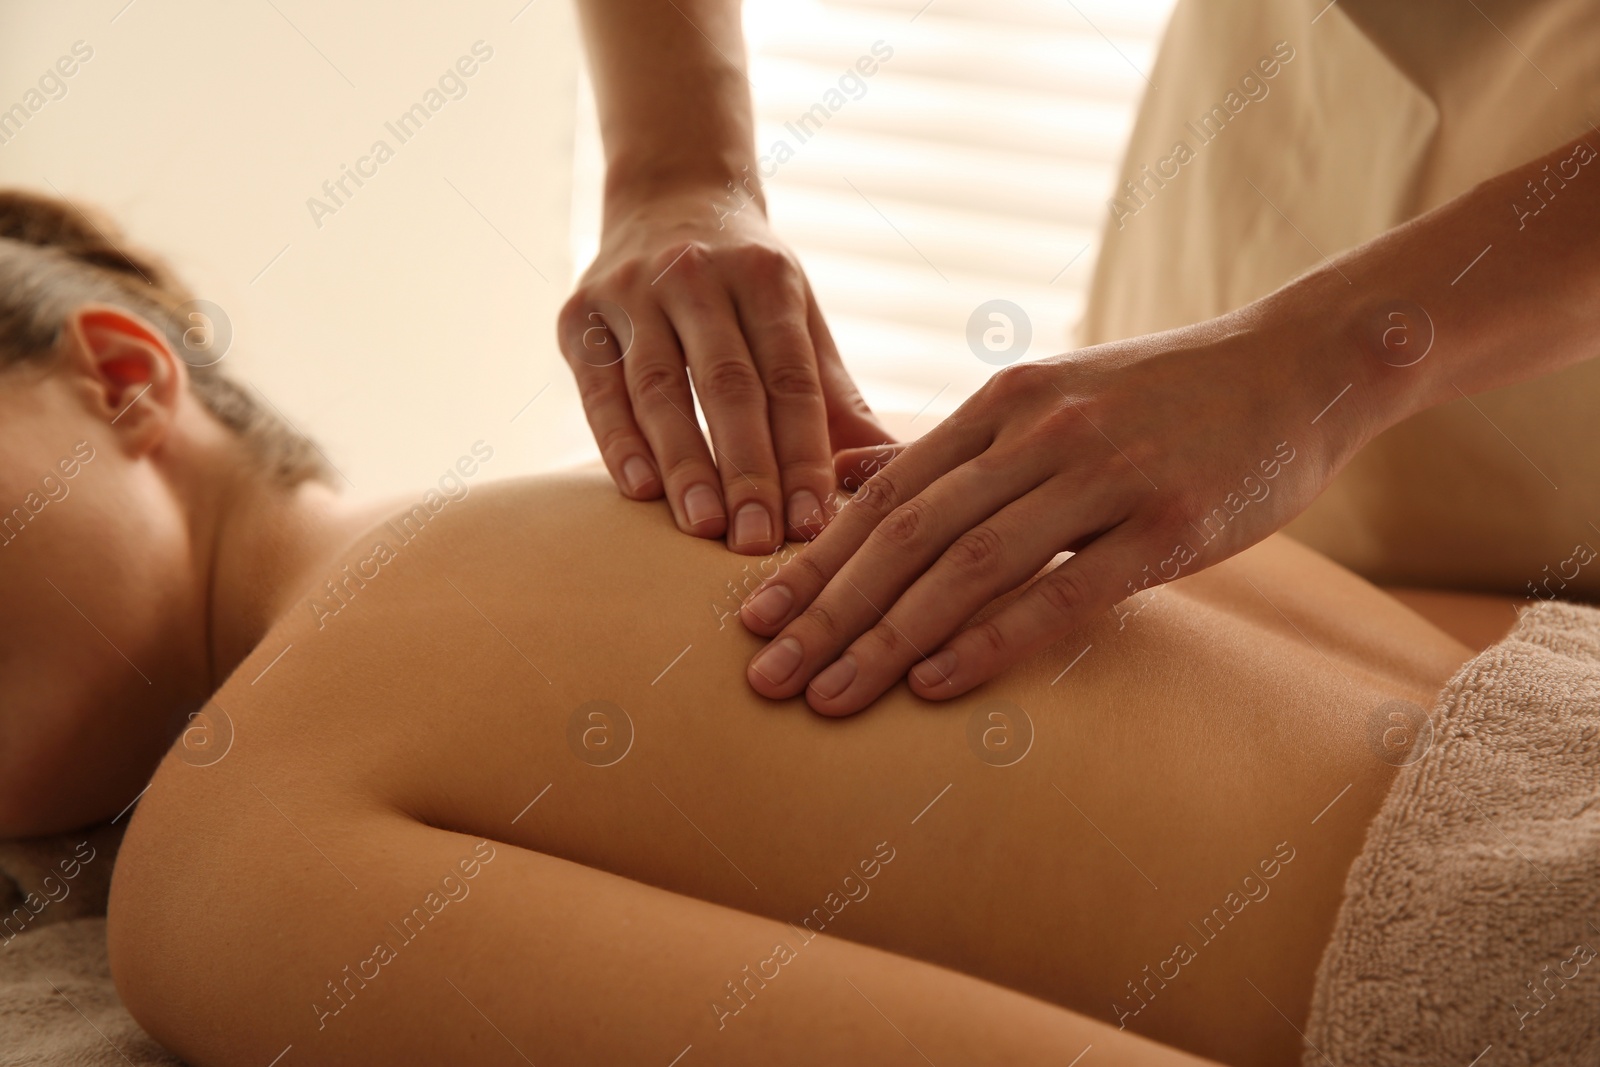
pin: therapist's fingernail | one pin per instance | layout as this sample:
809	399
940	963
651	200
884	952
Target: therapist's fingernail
778	660
700	504
805	511
772	604
638	473
836	679
752	526
935	669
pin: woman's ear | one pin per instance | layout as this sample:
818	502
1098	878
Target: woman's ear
126	373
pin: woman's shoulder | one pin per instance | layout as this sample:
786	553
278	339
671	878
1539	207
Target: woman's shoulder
522	526
457	505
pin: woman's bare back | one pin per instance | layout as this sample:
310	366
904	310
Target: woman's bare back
1149	823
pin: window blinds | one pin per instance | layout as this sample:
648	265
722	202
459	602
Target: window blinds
972	164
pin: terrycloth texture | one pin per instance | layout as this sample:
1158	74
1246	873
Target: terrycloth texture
34	877
1471	919
58	1007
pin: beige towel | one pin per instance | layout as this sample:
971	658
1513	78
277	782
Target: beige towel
58	1007
1471	921
47	880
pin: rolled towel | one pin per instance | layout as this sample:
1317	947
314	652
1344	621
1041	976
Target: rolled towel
1470	927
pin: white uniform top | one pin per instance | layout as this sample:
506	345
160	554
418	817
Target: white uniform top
1312	128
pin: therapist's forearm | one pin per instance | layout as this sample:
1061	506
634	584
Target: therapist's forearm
672	96
1509	281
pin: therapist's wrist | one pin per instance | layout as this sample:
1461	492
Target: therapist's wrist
718	160
1359	354
715	190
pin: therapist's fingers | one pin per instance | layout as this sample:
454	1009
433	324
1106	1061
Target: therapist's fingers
1062	600
771	305
854	600
854	466
734	400
872	583
798	581
659	389
594	349
991	558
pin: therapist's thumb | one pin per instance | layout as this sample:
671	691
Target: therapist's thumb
853	466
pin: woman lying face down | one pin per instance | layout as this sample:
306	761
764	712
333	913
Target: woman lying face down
475	776
149	509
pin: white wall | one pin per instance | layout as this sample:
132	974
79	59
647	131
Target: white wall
406	326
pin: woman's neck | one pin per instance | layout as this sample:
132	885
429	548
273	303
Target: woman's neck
269	543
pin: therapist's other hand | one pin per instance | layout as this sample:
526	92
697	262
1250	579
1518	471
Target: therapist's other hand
687	294
1149	459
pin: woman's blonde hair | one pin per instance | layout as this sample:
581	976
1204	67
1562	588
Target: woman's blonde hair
56	256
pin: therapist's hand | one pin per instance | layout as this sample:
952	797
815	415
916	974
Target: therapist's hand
686	293
1149	459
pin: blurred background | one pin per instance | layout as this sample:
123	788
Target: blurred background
413	314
